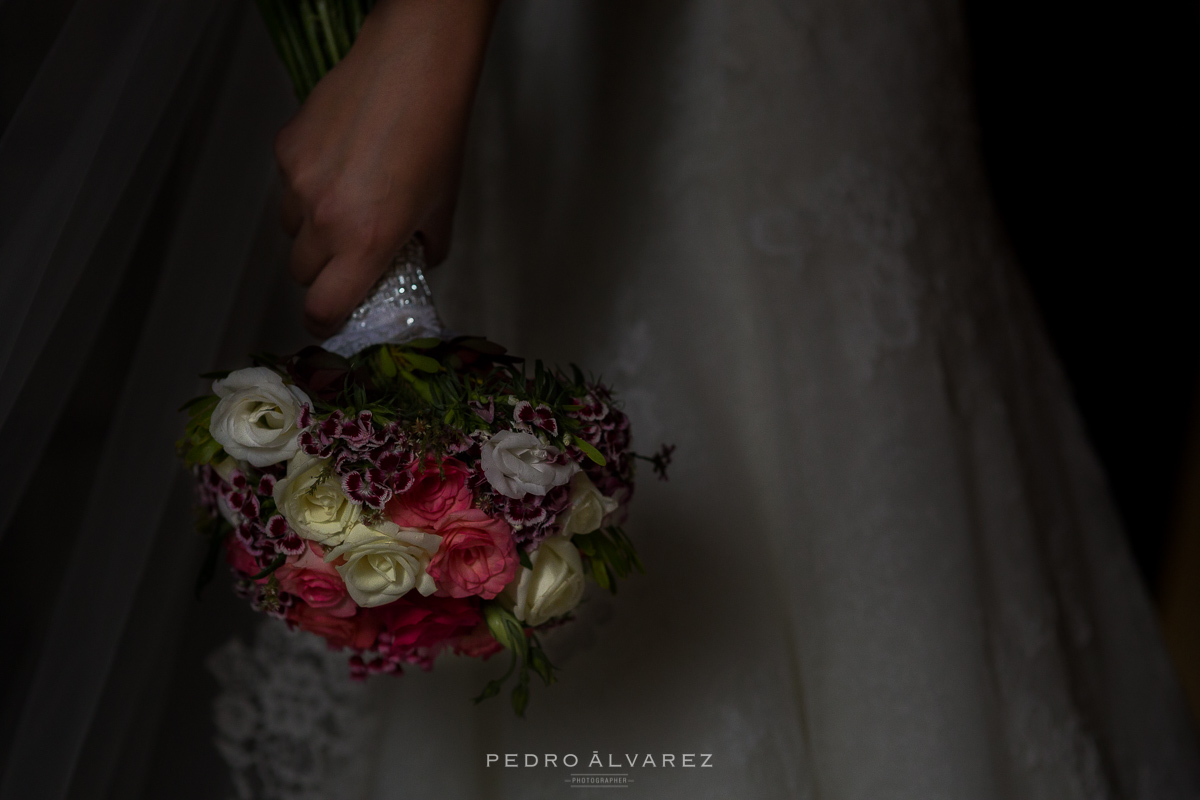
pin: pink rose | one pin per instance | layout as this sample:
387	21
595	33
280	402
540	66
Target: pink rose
476	556
316	583
358	632
435	493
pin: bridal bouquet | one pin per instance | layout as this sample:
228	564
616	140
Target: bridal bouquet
416	498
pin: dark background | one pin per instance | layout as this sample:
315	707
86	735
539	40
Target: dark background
1089	143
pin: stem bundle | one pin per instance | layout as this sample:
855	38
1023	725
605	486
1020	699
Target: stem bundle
312	36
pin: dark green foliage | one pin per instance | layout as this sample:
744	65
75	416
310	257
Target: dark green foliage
526	650
610	554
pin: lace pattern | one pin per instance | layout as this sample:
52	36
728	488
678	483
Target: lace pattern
288	719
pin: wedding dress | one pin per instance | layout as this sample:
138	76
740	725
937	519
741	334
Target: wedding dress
885	565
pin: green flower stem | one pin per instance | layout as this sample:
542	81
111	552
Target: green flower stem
311	36
331	42
310	19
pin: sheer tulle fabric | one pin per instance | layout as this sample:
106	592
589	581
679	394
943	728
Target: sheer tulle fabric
885	566
136	108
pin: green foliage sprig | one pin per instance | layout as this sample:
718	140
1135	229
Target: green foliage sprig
429	386
197	445
526	650
610	554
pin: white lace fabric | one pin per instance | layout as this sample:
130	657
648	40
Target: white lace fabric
289	720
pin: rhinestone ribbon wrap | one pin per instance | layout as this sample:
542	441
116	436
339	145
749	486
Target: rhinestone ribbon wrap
399	307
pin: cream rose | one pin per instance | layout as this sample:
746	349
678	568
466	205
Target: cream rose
552	588
516	464
587	508
310	498
255	419
385	562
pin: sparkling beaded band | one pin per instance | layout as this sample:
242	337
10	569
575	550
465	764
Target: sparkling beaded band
399	307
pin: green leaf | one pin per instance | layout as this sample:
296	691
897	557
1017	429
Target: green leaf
523	557
622	538
611	555
199	402
421	387
387	367
540	664
520	696
423	363
266	360
203	452
600	573
585	543
506	629
491	690
481	345
493	686
424	343
589	451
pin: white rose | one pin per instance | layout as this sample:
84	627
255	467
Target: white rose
385	562
516	464
588	507
311	500
552	588
255	419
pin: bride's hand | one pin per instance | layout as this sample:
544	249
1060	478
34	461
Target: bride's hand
374	153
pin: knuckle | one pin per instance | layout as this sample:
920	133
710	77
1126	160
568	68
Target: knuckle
327	211
320	314
376	233
355	228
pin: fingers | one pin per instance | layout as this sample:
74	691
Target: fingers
435	233
291	212
310	254
338	289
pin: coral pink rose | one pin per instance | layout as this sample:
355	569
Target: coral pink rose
358	632
435	493
316	583
476	556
